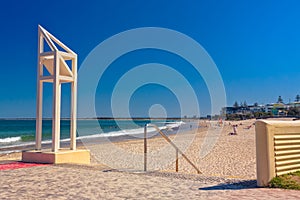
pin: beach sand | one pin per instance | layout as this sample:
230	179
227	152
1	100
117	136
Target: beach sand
232	155
228	171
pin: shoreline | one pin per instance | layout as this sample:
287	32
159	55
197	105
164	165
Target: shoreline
232	156
114	135
81	142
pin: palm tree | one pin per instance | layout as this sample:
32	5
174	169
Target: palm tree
297	98
236	104
279	100
245	104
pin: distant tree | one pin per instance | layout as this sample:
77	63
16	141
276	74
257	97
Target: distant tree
297	98
279	100
262	114
293	111
255	104
236	105
245	104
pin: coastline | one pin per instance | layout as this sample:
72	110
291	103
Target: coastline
90	129
22	132
231	156
229	171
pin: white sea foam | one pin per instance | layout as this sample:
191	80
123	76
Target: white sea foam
136	131
120	133
10	140
7	142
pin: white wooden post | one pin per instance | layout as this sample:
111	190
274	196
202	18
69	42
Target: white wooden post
39	103
73	105
56	105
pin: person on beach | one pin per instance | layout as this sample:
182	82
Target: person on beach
248	127
235	129
220	122
234	126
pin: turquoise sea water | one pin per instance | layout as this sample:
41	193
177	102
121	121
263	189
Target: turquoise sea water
22	132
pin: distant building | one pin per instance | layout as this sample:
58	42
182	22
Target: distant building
243	109
278	109
257	108
269	107
229	110
294	104
275	109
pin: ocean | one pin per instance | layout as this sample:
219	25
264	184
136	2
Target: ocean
18	133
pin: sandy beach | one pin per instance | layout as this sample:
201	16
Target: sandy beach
233	156
228	171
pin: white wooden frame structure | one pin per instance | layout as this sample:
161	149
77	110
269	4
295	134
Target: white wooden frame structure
54	62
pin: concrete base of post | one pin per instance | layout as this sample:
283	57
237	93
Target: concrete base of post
62	156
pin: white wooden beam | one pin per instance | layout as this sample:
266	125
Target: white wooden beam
39	97
66	79
73	105
64	68
47	78
56	107
47	38
39	115
62	45
47	55
67	56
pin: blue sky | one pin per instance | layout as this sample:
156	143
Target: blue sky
255	45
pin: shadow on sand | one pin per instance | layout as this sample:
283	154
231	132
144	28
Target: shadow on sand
247	184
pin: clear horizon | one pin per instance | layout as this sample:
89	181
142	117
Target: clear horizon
255	46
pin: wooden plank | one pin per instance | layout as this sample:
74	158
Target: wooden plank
176	160
39	101
48	81
40	43
169	141
39	116
45	78
145	147
73	123
67	56
56	107
66	79
64	68
47	55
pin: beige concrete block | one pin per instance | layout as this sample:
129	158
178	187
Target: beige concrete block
61	156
